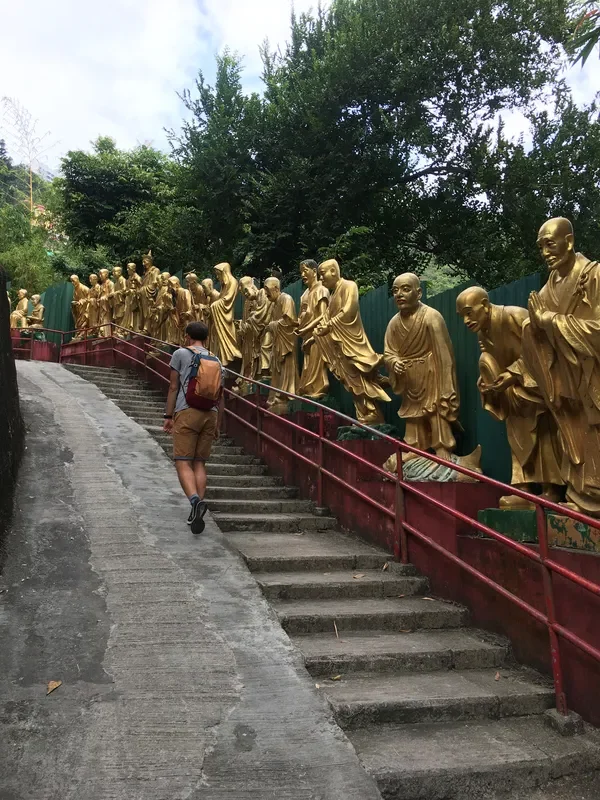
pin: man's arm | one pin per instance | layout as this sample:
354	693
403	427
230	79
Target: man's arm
171	400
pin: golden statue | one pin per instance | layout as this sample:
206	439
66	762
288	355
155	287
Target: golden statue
221	317
420	360
18	318
211	295
105	302
561	347
181	314
79	306
36	318
132	318
148	290
162	311
345	347
199	299
508	392
93	308
249	347
118	300
314	381
284	359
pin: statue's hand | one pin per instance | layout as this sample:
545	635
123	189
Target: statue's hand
502	382
400	367
536	308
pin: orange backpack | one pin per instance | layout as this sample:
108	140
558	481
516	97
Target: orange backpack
205	382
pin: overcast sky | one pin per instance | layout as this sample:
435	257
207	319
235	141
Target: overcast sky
113	67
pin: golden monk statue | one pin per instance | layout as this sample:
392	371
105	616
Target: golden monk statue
148	289
284	359
249	347
220	311
118	300
561	350
162	310
18	318
211	295
420	360
181	314
530	428
345	347
105	302
36	318
314	381
199	299
132	317
93	308
79	305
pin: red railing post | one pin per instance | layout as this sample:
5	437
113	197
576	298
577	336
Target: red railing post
85	348
557	674
400	536
258	420
320	464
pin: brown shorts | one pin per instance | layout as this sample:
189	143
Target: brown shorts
193	434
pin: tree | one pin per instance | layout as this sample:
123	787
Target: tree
585	19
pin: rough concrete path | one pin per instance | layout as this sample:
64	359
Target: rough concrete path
178	681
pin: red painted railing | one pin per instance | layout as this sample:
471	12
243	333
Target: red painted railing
136	352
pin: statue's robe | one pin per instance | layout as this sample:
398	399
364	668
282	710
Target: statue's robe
94	297
147	295
564	360
284	359
161	313
79	306
105	307
198	303
530	428
18	318
222	321
179	316
348	352
118	303
428	386
314	381
132	318
36	318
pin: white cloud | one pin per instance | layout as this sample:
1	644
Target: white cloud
114	68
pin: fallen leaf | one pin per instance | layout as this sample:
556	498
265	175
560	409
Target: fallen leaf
359	575
405	630
317	685
385	566
431	599
337	636
52	685
497	678
401	595
335	678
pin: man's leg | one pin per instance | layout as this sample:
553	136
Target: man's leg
200	477
185	472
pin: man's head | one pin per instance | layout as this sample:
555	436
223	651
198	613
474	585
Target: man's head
308	271
131	268
74	280
556	242
407	293
247	287
272	288
197	332
473	305
329	273
117	272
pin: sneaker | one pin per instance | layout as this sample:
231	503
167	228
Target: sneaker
197	517
190	519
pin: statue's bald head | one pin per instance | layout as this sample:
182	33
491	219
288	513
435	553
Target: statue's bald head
408	277
272	288
556	242
247	287
330	273
473	305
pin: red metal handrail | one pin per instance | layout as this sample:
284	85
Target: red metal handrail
402	529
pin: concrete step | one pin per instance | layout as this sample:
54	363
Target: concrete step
362	699
252	507
236	469
81	369
418	651
385	614
238	482
309	551
332	585
296	522
474	759
251	493
137	396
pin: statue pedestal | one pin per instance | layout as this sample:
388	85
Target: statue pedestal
562	531
518	524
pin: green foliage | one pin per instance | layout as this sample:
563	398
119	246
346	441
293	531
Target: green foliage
585	20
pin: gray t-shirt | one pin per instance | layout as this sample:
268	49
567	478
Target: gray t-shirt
181	360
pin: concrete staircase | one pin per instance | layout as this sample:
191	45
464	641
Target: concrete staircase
435	709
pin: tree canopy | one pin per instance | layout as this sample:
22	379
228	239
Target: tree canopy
378	140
